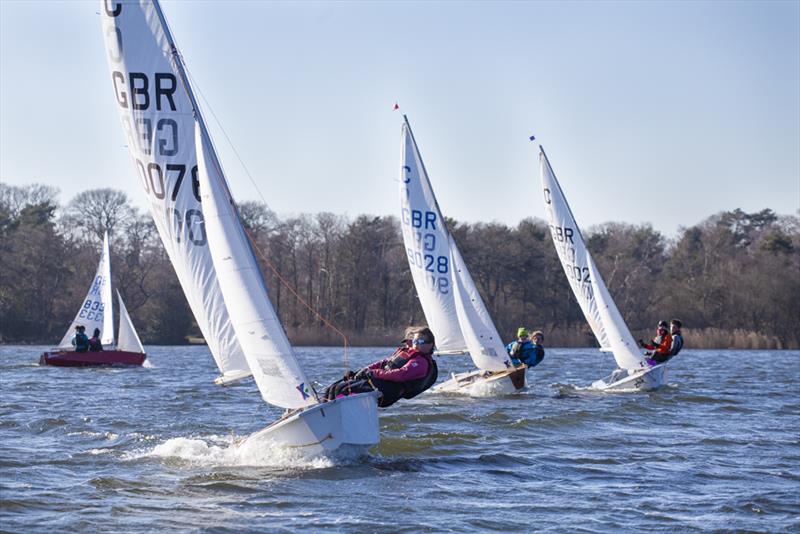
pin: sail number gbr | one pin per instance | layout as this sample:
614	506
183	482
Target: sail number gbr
422	255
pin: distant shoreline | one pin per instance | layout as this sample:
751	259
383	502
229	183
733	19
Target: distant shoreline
709	338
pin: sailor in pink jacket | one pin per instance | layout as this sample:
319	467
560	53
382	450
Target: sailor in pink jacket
409	371
402	366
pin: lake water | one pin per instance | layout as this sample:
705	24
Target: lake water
153	449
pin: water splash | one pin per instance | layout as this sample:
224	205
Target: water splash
218	451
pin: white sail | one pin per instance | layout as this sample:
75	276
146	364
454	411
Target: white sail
452	304
97	310
269	353
127	340
427	246
588	286
626	351
483	341
157	110
570	247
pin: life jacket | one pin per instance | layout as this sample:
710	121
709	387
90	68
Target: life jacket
677	344
662	343
412	388
81	342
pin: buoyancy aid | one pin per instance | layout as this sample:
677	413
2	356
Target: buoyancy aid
81	342
412	388
677	344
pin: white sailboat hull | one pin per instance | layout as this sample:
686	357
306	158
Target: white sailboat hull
347	424
480	384
632	380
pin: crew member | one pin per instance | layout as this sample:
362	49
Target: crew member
79	340
409	371
527	350
95	345
659	348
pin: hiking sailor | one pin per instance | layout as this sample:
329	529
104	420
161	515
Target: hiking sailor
677	338
659	348
526	350
409	371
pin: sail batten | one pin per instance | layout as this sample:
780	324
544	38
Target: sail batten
453	307
584	279
157	109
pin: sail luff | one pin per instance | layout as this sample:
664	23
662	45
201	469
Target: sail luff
427	245
570	246
107	336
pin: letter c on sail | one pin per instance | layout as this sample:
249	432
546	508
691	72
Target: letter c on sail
406	179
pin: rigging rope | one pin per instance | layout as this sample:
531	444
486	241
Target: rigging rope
253	241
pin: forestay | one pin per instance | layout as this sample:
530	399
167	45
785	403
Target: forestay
626	351
127	340
156	107
260	333
97	310
453	307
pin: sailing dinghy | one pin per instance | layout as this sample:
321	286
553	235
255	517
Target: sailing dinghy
97	311
453	308
633	372
200	227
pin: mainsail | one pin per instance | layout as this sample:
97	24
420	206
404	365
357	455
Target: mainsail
158	109
97	310
269	353
598	307
456	315
128	339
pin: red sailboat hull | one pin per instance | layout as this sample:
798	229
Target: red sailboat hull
84	359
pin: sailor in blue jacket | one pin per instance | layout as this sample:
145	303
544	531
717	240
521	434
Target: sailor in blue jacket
526	350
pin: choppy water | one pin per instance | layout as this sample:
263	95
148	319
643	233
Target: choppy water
152	449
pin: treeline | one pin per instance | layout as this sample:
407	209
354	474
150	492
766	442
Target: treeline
734	279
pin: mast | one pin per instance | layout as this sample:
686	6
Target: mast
181	68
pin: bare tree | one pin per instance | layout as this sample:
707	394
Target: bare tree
98	210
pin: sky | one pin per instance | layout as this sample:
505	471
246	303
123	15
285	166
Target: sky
650	112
